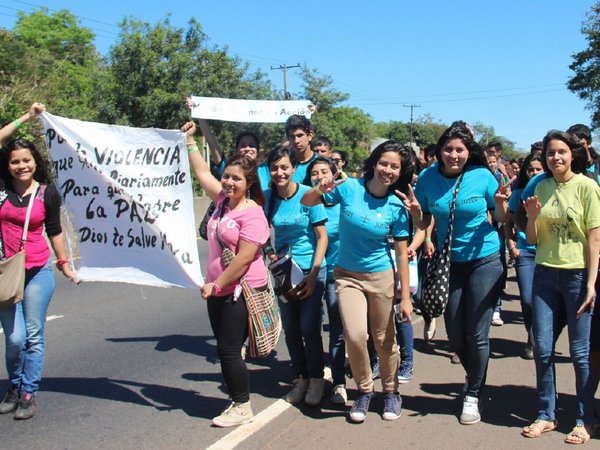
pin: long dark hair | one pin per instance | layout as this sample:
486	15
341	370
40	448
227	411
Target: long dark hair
248	166
580	158
460	130
389	146
523	174
41	174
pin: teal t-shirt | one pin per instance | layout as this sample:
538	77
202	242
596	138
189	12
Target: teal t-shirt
474	236
333	237
521	241
293	225
300	171
594	170
365	222
221	168
264	175
531	184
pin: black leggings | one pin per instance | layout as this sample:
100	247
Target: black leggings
229	322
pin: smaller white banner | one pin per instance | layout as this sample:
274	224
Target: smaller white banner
266	111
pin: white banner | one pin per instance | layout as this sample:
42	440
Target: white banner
129	194
267	111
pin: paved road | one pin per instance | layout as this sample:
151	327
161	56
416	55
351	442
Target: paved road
135	367
431	402
130	367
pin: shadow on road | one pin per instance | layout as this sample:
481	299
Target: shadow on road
163	398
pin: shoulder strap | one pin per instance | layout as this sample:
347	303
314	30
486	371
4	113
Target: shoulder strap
453	205
28	215
224	203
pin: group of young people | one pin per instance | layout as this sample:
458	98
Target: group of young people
338	229
354	239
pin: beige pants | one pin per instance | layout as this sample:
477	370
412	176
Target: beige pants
362	295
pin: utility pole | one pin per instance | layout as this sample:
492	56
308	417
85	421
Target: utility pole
285	67
412	107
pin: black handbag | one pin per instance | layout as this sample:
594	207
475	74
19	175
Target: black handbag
203	229
436	282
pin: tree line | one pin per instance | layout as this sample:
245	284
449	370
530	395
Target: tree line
50	57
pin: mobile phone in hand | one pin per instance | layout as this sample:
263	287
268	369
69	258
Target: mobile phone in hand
397	313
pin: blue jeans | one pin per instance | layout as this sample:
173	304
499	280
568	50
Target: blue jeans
24	330
474	290
405	336
337	346
557	290
302	325
524	267
498	307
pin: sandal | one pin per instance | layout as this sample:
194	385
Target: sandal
580	434
537	428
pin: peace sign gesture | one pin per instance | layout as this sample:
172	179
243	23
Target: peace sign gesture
411	204
503	192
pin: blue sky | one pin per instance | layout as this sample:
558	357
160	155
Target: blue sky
504	63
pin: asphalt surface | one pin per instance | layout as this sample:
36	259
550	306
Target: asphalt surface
133	367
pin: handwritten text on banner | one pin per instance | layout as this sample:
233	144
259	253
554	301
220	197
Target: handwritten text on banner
128	191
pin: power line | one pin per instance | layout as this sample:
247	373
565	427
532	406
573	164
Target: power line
284	68
412	107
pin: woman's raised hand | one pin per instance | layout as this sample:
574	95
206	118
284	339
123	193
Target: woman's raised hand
532	206
36	109
503	192
189	128
411	203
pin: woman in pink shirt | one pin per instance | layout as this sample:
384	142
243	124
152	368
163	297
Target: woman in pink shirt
23	174
238	223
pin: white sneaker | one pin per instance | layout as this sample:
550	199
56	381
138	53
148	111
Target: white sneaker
496	319
339	396
429	330
470	412
236	414
298	391
314	393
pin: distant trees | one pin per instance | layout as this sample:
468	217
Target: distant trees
50	57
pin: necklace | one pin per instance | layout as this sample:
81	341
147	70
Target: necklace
561	184
22	196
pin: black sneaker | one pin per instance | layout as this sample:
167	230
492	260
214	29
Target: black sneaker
392	406
26	408
360	408
10	401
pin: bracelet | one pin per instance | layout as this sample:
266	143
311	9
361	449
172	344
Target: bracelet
318	190
17	124
216	288
193	149
427	240
62	261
